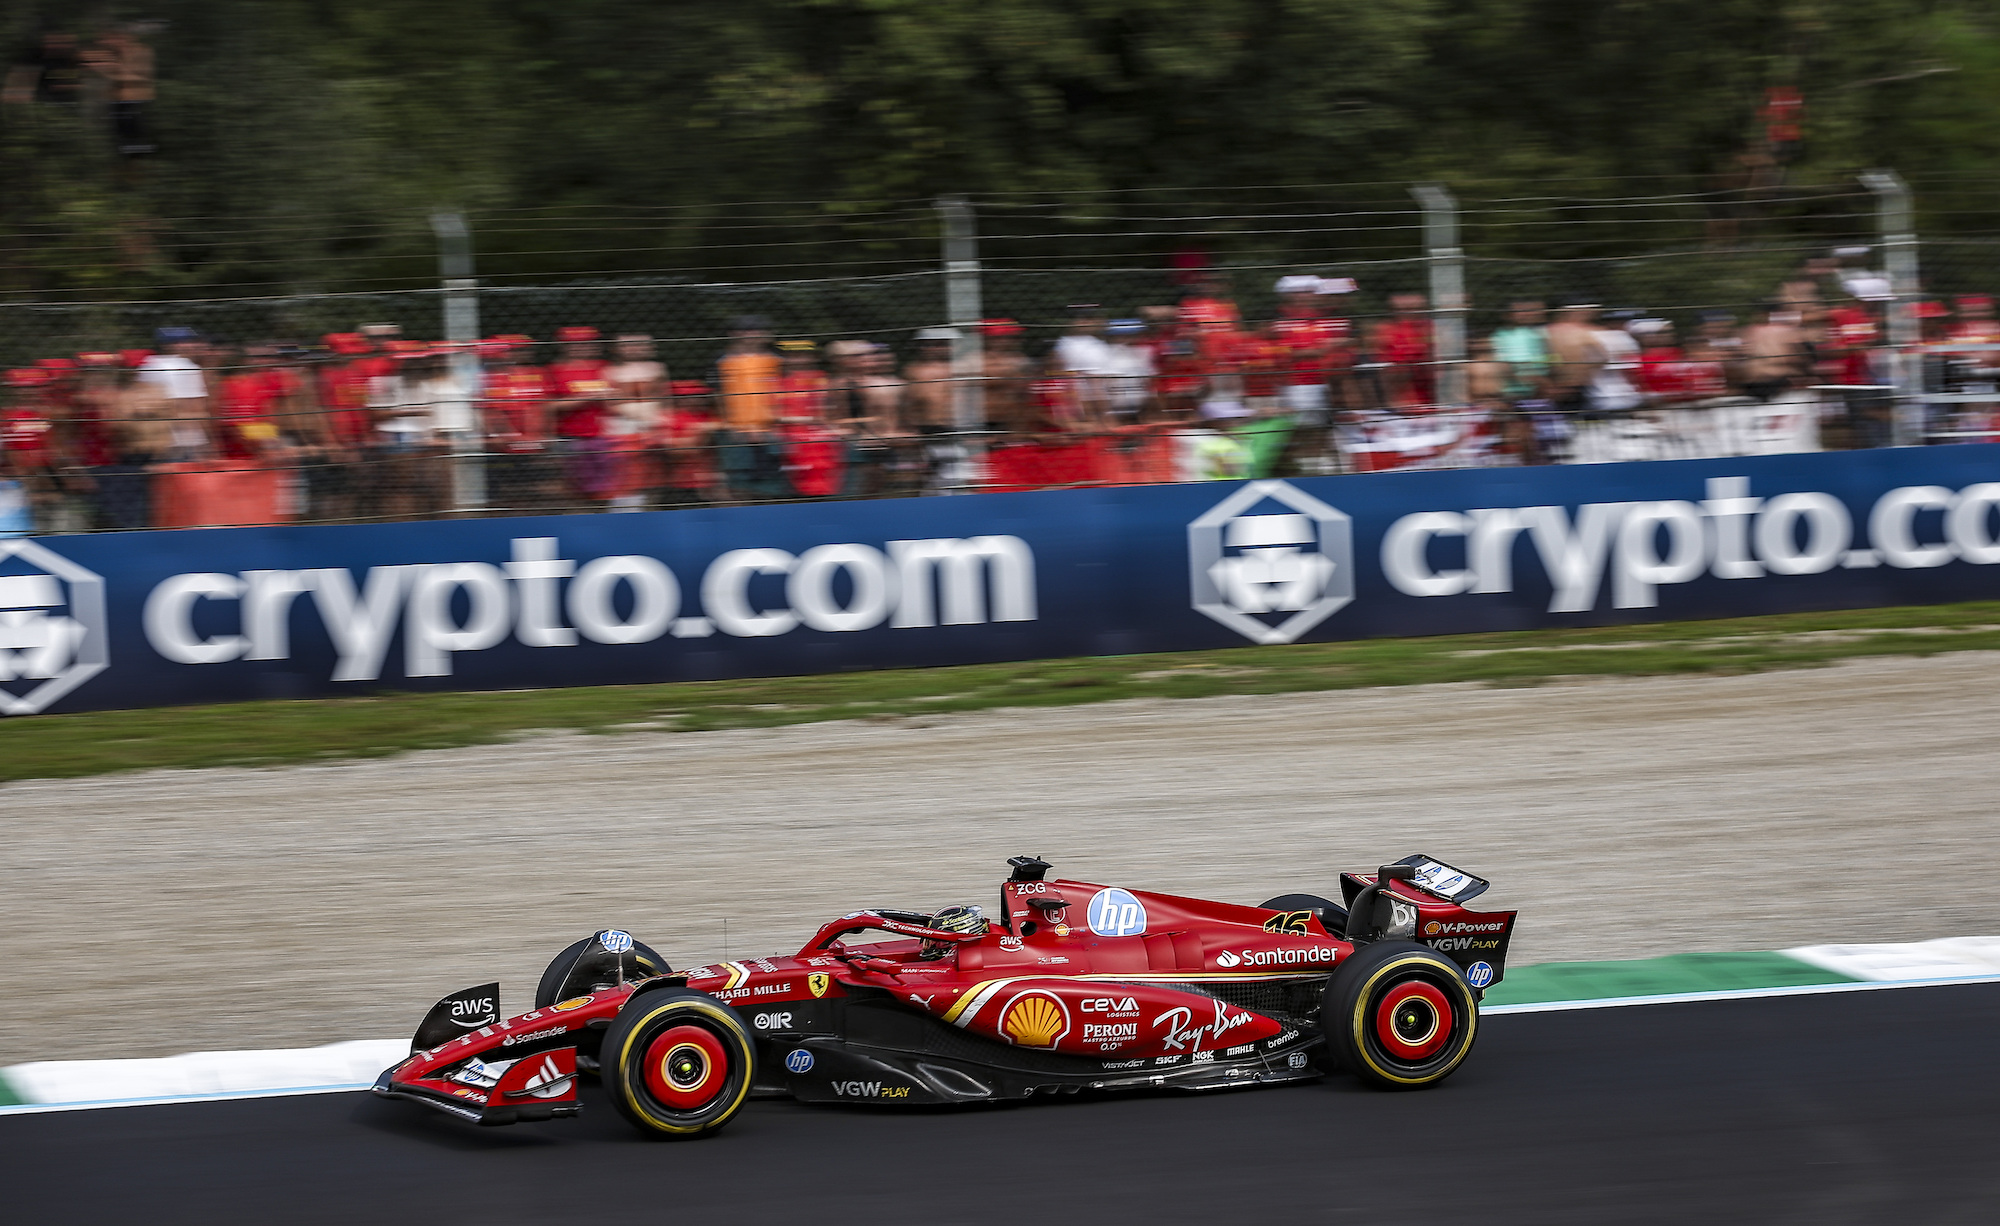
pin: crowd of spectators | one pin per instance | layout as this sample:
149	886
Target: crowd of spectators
371	425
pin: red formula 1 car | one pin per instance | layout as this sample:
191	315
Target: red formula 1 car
1075	987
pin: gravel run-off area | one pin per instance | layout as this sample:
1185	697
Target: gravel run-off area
171	911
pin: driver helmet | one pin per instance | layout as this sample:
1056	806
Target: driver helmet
954	919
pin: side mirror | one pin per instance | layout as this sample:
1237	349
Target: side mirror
1396	872
1028	868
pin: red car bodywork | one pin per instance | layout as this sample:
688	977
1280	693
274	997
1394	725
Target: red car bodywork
1076	986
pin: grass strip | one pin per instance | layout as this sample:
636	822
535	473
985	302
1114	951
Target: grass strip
378	724
1676	973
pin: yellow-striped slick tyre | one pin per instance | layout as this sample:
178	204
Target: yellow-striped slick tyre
1399	1015
677	1063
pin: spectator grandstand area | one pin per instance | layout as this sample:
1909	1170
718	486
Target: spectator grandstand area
1259	335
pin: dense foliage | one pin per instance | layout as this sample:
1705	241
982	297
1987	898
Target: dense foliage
303	144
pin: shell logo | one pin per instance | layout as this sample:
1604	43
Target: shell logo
1034	1019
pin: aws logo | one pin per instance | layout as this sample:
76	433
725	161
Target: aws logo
1034	1019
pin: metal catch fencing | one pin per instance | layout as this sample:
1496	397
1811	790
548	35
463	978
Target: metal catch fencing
1005	374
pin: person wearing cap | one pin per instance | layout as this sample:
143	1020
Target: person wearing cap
1315	343
340	476
403	483
1004	375
864	398
1129	370
747	375
173	369
1178	377
93	423
522	474
803	389
864	402
1613	388
1209	303
1082	353
812	412
684	436
882	392
928	396
260	405
638	382
1849	353
580	400
1403	346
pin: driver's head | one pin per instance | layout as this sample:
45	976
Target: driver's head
954	919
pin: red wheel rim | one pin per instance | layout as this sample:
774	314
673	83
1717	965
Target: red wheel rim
1413	1021
686	1067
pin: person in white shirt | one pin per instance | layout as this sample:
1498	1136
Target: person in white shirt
181	383
1129	370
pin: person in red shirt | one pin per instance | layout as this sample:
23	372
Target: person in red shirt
27	444
1853	332
1317	345
1210	303
1266	362
340	477
1056	403
1403	344
515	408
579	397
1974	371
683	435
259	407
92	410
1176	362
802	385
1975	324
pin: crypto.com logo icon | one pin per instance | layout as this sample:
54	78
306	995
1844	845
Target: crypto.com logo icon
50	642
1273	575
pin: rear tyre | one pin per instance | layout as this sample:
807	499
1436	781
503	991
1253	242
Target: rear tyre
678	1063
644	958
1399	1015
1332	916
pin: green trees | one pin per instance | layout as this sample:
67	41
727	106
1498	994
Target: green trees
304	143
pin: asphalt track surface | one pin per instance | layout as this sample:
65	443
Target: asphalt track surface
1868	1107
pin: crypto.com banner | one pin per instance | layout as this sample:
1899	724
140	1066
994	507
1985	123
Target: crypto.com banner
153	618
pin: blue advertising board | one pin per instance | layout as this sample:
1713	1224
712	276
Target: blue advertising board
157	618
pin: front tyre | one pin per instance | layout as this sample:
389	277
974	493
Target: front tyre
1399	1015
677	1063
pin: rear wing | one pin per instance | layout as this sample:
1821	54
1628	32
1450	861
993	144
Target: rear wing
1428	906
1441	880
1432	877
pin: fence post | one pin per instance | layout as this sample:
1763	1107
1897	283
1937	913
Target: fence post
964	309
1447	265
461	327
1899	243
